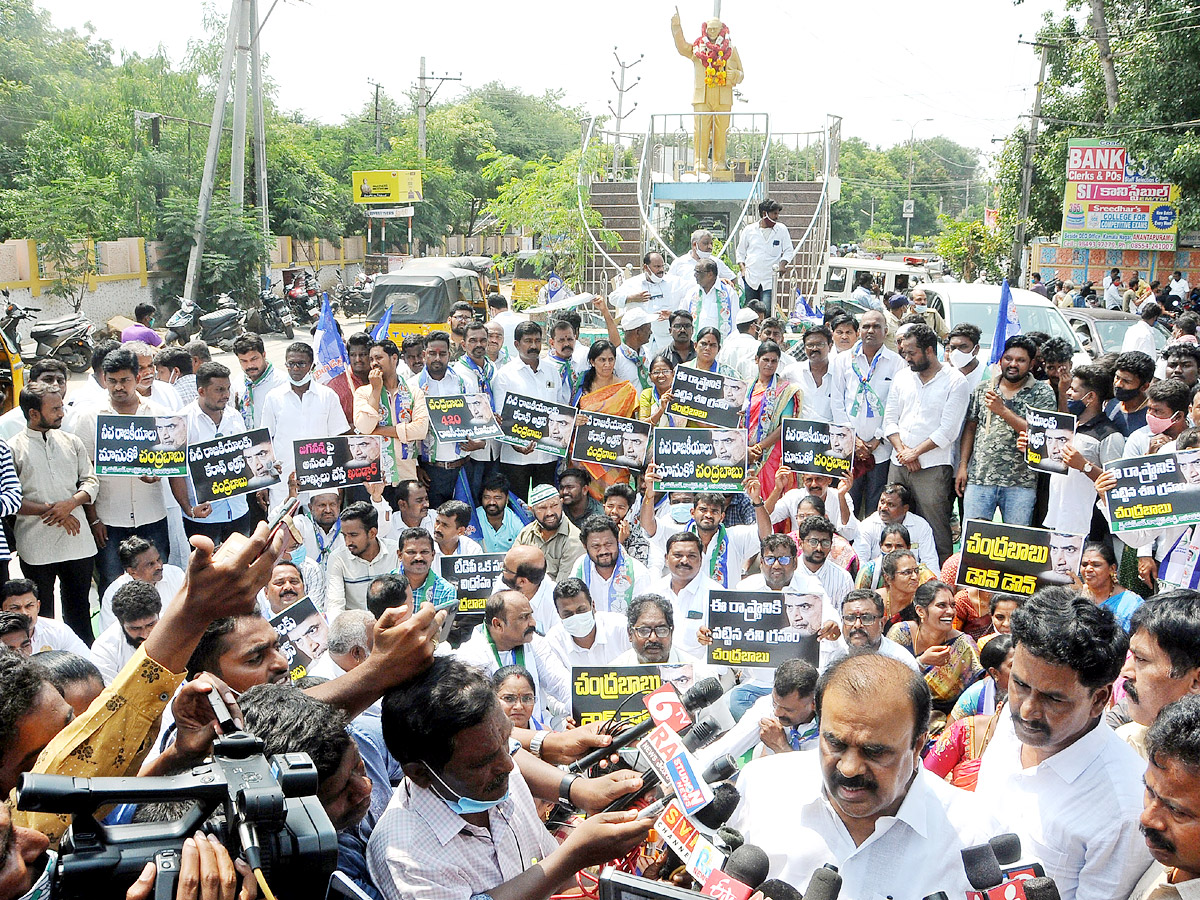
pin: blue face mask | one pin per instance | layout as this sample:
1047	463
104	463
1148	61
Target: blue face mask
464	806
299	554
1076	407
681	512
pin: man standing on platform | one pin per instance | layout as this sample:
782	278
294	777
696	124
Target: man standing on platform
702	248
762	251
711	302
654	292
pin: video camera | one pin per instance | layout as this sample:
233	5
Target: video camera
264	810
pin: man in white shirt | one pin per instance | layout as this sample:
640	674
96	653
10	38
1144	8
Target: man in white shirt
711	302
525	571
299	410
650	623
507	637
1172	791
737	351
1179	285
362	556
136	607
261	378
783	721
814	376
442	460
862	630
125	506
655	292
684	266
504	317
1140	335
141	562
863	802
783	503
20	595
816	540
894	507
923	419
48	371
1112	294
530	376
862	382
1054	772
687	587
612	576
584	636
726	551
764	249
209	417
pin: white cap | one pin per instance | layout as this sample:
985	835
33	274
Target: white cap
744	316
635	317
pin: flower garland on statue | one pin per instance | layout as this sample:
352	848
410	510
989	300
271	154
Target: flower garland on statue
714	54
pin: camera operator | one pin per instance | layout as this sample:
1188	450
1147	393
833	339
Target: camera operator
463	822
38	729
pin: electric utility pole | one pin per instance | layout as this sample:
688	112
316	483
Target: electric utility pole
619	113
424	98
1018	247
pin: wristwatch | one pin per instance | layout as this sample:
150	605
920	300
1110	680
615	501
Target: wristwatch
564	788
535	744
1088	469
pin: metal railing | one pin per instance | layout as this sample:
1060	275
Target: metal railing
583	182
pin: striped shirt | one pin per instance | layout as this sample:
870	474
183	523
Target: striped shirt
10	494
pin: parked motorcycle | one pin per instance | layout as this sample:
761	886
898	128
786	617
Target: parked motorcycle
272	314
67	338
219	327
356	299
305	298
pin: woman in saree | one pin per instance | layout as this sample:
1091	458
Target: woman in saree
708	346
652	404
771	400
600	392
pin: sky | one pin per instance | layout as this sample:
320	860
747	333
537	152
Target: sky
882	66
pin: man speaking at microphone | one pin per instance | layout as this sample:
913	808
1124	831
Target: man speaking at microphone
462	823
863	802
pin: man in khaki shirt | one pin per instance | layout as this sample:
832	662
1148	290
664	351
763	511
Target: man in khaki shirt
552	532
1171	819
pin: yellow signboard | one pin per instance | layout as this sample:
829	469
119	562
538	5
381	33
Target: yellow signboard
387	186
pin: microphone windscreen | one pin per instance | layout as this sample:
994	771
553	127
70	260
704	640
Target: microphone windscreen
936	895
720	768
703	693
717	812
1007	848
749	864
774	889
700	735
1040	889
825	884
983	871
730	837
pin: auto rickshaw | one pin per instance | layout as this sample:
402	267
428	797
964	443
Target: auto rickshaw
421	295
530	269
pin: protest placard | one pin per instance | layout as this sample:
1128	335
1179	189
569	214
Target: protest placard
598	692
763	628
1048	435
462	417
549	425
230	466
817	448
334	462
472	577
1014	559
707	397
1155	491
611	441
303	635
141	445
699	459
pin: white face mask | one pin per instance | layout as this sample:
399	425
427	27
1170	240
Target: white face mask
958	358
580	625
652	278
301	382
704	254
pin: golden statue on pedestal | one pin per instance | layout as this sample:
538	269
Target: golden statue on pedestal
717	69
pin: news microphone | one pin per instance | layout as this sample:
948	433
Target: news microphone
1040	889
1007	848
937	895
774	889
825	884
701	734
719	769
982	867
749	864
731	838
717	811
702	694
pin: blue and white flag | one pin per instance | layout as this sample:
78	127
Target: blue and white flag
380	331
1007	323
554	286
333	366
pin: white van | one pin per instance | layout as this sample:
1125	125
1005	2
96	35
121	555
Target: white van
839	276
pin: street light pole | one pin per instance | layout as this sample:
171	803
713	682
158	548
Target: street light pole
912	133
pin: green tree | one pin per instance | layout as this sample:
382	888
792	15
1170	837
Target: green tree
235	249
971	249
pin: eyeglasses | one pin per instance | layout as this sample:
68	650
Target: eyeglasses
907	572
513	699
777	560
818	543
864	618
659	631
